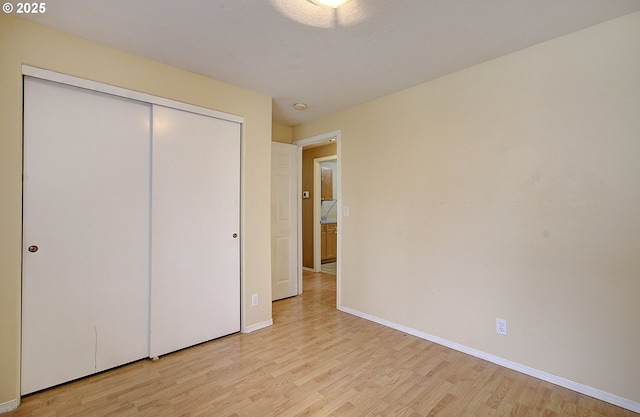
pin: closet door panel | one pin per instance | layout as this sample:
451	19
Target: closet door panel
86	209
195	262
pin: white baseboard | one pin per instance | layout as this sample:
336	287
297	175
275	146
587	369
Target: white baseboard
545	376
257	326
8	406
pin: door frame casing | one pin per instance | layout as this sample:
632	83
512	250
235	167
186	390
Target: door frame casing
314	140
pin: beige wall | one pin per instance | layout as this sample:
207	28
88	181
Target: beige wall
23	42
308	155
512	190
281	133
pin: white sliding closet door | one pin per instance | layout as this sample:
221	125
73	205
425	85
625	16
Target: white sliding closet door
195	262
85	233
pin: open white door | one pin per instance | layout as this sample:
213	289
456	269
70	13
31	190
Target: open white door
284	223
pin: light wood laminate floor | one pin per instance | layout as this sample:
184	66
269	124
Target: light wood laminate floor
329	268
314	361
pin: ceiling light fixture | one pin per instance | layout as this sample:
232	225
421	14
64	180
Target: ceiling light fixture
330	3
300	106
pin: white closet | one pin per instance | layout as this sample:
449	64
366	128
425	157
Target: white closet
130	223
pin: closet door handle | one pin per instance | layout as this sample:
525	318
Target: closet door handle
33	248
235	235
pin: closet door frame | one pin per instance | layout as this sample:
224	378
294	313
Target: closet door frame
123	92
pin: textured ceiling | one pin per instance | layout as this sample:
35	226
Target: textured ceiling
296	51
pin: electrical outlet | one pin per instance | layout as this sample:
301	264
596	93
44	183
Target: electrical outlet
501	326
254	300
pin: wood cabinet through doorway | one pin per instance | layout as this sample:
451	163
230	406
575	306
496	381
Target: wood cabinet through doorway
329	242
326	183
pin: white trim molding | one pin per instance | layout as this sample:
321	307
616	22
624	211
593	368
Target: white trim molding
545	376
257	326
8	406
318	138
123	92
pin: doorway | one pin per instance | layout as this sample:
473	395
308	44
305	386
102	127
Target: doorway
325	212
312	152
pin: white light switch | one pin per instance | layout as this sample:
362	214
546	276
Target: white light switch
345	211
